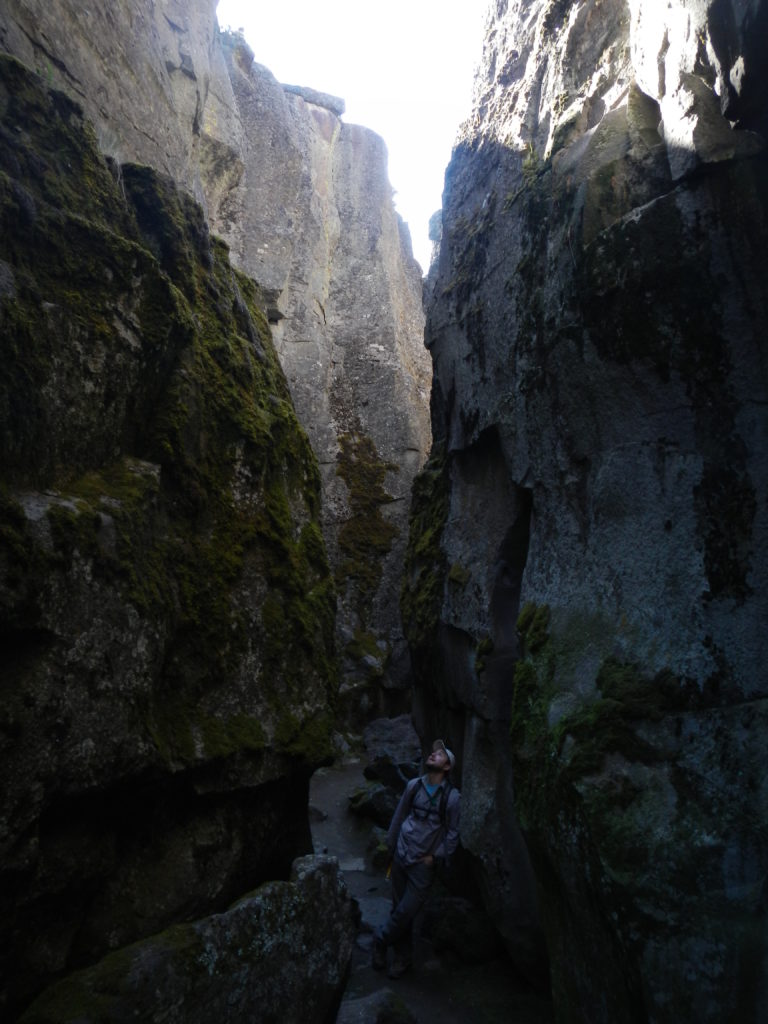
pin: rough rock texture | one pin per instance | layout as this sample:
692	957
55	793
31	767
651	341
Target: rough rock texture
587	566
383	1007
312	220
304	203
278	955
166	605
394	739
148	75
318	99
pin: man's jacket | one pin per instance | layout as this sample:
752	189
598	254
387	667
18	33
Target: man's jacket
417	829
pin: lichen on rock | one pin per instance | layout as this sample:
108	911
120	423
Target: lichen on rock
293	936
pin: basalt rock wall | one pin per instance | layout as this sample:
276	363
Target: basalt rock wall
304	203
166	604
586	591
149	77
313	221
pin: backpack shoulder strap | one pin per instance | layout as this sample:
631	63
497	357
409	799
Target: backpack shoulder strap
444	800
410	788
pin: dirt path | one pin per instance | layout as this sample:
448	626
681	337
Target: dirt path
452	993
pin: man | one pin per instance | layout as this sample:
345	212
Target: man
424	829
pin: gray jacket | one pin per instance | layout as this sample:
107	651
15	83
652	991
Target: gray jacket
416	830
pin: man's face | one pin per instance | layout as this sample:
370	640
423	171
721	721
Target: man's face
438	761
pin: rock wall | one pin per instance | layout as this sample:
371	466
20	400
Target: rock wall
304	203
149	76
166	604
167	607
313	221
587	565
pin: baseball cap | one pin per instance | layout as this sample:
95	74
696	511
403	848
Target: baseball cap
439	745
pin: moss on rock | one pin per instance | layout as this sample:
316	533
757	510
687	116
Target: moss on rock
616	788
532	625
426	566
554	750
166	603
365	538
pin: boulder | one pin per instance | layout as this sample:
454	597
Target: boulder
382	769
382	1007
280	953
393	738
376	802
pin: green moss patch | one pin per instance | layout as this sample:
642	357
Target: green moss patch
366	537
306	738
553	752
459	575
532	626
426	566
140	387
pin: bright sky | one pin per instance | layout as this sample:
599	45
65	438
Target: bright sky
404	68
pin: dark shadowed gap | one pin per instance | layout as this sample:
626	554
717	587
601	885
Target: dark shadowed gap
508	575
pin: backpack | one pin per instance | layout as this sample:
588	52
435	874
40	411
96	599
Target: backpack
446	792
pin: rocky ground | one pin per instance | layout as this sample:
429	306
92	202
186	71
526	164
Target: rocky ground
440	985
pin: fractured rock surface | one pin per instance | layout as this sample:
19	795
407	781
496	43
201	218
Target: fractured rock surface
587	572
313	221
168	608
304	203
280	953
166	604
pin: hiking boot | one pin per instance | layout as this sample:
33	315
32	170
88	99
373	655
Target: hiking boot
398	967
378	955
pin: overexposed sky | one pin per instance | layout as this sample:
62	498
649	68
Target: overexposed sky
404	68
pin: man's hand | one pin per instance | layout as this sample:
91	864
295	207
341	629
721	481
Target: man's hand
429	860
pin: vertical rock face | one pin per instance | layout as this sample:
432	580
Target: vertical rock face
304	203
149	76
167	609
587	562
313	221
166	605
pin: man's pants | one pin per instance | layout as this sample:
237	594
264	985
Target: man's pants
410	886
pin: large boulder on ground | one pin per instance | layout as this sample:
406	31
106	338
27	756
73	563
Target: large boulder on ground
280	954
376	802
383	769
394	738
